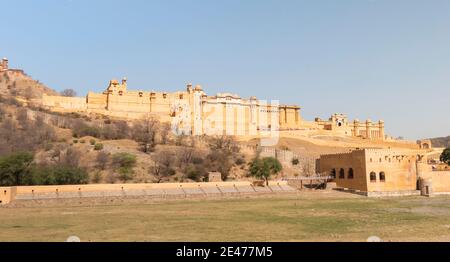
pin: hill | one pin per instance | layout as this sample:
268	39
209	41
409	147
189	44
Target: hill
441	141
17	83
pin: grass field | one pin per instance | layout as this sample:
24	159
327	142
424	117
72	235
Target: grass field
301	217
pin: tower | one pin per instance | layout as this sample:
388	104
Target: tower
4	64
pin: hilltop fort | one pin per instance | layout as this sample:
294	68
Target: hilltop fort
224	113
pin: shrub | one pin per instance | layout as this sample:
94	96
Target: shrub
197	160
295	161
92	142
58	175
82	141
98	147
124	164
240	161
75	141
96	177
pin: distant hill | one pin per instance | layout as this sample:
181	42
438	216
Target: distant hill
441	141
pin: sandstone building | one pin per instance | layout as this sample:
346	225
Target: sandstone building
380	172
194	112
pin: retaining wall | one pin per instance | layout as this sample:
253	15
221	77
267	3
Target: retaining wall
166	190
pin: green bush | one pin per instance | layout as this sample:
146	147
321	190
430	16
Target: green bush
82	141
98	147
124	164
58	175
75	141
92	142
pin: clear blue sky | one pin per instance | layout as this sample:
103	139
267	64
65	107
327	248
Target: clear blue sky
378	59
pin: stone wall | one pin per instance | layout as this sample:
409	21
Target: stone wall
163	190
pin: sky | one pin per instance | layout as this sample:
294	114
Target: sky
377	59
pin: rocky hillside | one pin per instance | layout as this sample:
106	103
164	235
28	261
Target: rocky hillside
15	83
441	141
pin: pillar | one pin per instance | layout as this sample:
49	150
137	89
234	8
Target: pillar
369	129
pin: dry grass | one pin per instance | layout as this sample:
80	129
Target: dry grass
302	217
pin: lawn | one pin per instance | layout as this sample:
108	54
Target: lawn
301	217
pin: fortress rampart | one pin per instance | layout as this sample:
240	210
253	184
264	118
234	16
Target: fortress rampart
194	112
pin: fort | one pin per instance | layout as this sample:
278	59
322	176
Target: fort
196	113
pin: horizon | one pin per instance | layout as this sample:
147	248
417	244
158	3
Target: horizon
394	69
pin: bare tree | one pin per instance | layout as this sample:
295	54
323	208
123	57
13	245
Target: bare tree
164	132
102	160
308	169
185	155
144	132
68	93
226	144
162	166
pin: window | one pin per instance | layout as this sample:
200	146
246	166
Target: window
141	94
333	173
373	177
382	176
181	96
350	173
342	173
120	93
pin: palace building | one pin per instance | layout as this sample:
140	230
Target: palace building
194	112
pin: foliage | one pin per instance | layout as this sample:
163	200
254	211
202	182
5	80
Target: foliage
15	168
295	161
445	156
265	167
58	175
124	164
98	147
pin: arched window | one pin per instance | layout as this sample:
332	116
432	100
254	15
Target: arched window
373	177
350	173
333	173
342	173
382	176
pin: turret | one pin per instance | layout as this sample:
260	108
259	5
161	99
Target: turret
4	64
189	88
368	128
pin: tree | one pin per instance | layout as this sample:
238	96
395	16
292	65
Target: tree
445	156
68	93
162	166
164	132
15	168
124	164
144	132
102	160
265	167
58	175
